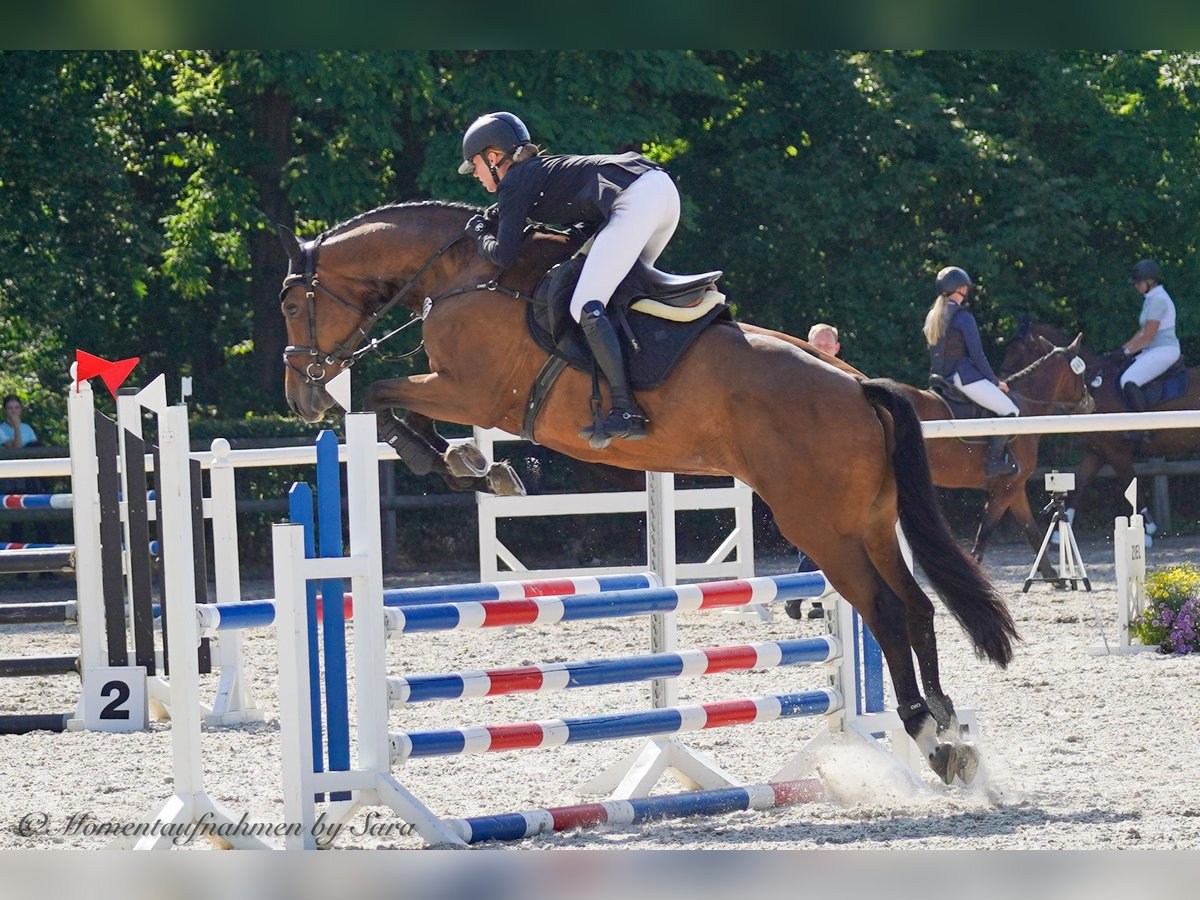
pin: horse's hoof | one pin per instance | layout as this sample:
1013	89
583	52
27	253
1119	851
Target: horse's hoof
968	763
465	461
793	609
944	761
503	481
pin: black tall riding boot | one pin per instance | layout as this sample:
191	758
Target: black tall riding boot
998	461
1135	399
625	419
1134	396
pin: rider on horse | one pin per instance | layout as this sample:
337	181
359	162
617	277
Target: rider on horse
1155	345
630	200
956	354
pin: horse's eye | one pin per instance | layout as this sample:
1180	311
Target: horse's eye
290	309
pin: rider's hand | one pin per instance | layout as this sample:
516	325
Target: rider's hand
477	226
1003	385
1119	355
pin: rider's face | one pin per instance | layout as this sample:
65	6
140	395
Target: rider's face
484	175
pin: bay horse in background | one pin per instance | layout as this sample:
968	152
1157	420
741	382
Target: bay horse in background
837	459
1046	385
1118	449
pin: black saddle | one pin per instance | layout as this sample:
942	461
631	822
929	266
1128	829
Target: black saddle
960	405
653	345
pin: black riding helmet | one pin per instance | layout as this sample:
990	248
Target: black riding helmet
1146	270
950	279
501	130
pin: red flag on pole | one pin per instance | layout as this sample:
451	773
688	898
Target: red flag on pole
113	374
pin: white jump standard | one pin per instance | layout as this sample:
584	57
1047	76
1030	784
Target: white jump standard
370	780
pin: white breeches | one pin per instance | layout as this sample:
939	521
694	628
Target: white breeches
641	222
988	396
1149	364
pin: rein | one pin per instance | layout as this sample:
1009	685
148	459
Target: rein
341	356
1084	404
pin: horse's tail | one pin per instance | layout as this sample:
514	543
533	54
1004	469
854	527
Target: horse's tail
956	576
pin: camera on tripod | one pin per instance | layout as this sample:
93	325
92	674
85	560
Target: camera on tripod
1060	482
1070	568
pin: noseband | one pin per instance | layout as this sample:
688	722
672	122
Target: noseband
316	370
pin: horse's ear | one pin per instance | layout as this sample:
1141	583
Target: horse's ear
1046	343
1076	344
291	244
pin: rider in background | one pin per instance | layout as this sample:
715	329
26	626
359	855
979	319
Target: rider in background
1155	346
956	354
630	200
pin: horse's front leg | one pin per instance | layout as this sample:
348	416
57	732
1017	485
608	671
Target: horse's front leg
416	440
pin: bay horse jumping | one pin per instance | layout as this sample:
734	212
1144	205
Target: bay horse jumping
836	458
1118	449
1046	385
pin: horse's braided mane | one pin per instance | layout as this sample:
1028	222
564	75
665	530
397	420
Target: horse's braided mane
388	208
1033	366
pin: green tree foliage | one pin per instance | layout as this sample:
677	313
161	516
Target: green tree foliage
139	192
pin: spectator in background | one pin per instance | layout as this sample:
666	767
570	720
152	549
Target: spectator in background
15	433
825	338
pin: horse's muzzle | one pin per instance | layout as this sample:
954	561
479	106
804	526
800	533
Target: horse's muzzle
309	402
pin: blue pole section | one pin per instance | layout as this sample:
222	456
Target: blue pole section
872	672
245	614
329	545
300	512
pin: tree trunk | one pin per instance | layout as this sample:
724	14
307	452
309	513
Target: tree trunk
271	124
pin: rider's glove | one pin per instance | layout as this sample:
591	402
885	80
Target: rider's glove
477	226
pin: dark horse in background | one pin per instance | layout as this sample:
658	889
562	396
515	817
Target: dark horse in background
1118	449
1047	385
837	459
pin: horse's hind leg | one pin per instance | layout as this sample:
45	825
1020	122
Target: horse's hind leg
852	573
948	756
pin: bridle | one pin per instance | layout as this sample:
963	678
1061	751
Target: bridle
1084	405
316	370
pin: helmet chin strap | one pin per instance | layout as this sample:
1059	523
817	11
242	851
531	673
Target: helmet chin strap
493	170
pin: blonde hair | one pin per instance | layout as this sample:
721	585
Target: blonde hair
525	151
935	321
818	328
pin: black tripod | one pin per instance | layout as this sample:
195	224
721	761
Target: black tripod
1070	563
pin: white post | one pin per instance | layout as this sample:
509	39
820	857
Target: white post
188	804
660	553
370	666
86	517
295	680
234	702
